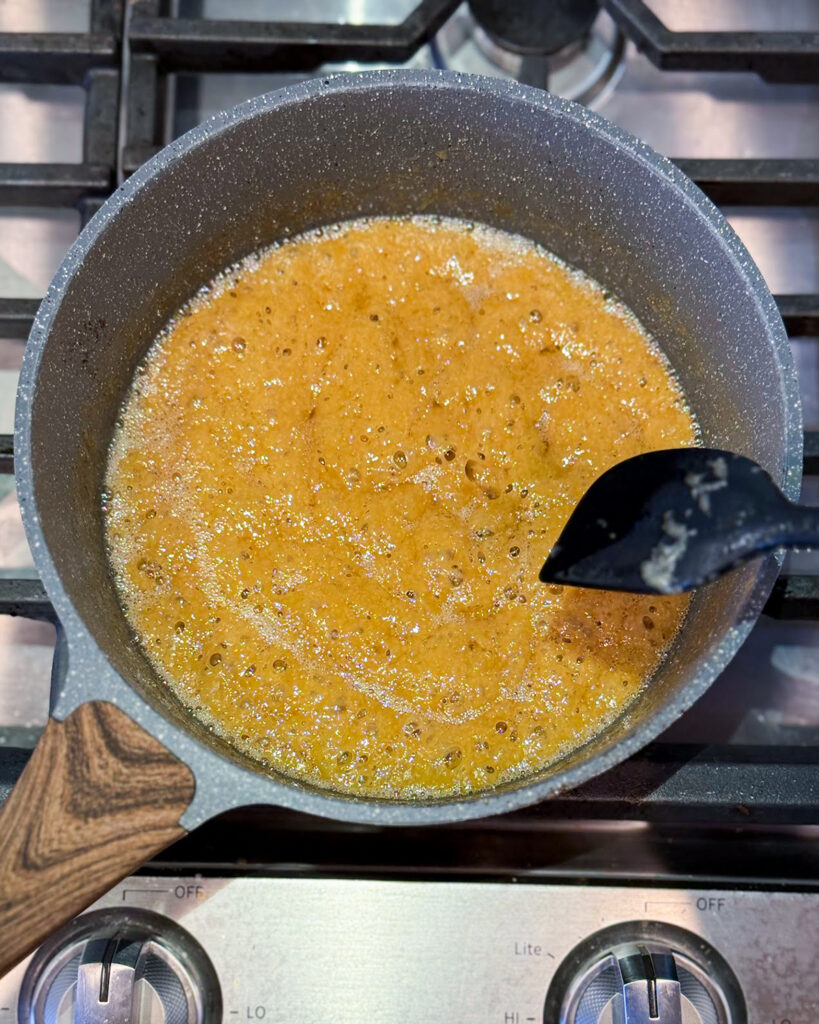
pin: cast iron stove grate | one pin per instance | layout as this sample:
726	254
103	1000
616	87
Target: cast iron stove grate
124	63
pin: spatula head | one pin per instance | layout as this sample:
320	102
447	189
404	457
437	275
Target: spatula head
666	522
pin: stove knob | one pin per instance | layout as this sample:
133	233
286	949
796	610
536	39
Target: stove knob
122	966
644	973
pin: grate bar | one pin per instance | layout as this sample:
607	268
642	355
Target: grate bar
88	207
668	781
194	44
664	782
801	315
106	15
55	58
727	182
776	56
27	598
52	184
756	182
16	317
794	597
811	454
101	118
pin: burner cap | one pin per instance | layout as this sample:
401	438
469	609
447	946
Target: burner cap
535	26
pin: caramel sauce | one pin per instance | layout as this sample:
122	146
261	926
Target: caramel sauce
334	482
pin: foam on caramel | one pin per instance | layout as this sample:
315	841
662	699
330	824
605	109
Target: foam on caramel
335	479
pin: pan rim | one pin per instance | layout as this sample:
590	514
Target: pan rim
326	802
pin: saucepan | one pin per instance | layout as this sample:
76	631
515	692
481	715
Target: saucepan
122	768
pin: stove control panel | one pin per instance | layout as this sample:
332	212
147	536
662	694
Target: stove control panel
159	950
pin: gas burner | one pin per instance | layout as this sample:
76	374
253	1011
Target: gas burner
573	50
536	27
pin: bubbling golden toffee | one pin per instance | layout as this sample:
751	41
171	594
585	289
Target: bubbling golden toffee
334	482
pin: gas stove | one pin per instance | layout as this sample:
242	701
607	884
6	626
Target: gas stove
686	878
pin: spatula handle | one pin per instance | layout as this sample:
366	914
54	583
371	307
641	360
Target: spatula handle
99	797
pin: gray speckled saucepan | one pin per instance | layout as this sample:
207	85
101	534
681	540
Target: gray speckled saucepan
386	142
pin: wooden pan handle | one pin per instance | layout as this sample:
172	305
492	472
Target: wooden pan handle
98	798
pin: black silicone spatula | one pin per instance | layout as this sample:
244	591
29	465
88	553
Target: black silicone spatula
668	521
